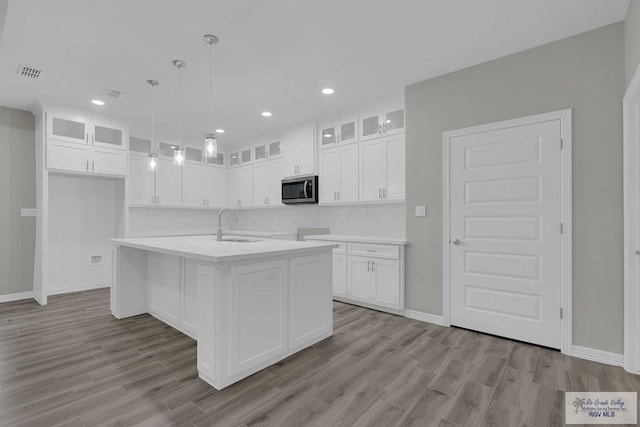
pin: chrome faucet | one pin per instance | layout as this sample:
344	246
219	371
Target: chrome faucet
219	230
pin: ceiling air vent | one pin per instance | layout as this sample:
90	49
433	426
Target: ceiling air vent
29	72
112	93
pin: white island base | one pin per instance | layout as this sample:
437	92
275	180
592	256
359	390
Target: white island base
248	305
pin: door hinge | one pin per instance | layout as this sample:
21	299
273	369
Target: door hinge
561	144
561	228
561	313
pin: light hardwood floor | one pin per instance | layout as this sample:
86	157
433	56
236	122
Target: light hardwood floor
71	363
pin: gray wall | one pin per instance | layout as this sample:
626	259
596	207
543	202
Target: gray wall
632	40
17	190
585	73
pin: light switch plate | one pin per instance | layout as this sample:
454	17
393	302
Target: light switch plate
27	212
421	211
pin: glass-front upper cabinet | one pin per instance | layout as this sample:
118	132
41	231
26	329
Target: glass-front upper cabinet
275	149
108	136
342	131
67	128
381	122
246	155
139	145
166	150
260	152
193	155
218	160
235	159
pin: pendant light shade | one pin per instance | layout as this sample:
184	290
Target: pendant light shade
178	151
152	162
210	141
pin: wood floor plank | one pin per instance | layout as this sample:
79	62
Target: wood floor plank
71	363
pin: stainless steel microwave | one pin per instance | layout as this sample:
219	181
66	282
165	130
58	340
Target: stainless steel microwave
300	190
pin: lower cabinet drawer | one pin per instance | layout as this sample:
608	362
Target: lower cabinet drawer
374	250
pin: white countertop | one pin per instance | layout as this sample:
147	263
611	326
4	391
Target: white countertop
267	234
206	248
358	239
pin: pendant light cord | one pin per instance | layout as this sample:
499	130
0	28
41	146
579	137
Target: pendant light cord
153	119
179	107
211	87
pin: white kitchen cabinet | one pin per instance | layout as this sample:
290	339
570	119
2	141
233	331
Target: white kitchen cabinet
335	132
142	181
382	169
339	174
339	274
164	281
105	161
381	122
299	150
267	178
108	135
216	186
369	274
72	157
77	129
67	128
67	156
168	183
194	186
241	186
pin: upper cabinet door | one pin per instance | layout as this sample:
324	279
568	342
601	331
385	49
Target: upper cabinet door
168	183
142	182
193	186
370	125
275	149
108	136
307	162
372	170
67	156
328	136
275	182
347	130
395	165
109	162
261	184
260	152
393	121
348	192
67	128
329	176
216	187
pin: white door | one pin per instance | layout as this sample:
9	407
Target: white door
395	165
372	170
142	181
109	162
193	185
348	187
67	156
505	232
216	186
168	183
329	175
261	184
275	183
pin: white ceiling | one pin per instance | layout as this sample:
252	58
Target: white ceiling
273	55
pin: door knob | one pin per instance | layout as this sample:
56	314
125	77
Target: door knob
456	242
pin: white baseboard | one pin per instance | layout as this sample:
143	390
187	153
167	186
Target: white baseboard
425	317
76	288
16	297
594	355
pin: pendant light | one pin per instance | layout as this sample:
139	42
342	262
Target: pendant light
152	162
178	151
210	141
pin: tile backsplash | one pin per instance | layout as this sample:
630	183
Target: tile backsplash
386	220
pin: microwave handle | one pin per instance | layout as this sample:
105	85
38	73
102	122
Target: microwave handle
306	183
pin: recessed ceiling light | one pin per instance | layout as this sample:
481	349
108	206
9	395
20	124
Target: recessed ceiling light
327	91
219	130
266	114
97	102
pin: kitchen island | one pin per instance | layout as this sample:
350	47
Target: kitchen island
247	303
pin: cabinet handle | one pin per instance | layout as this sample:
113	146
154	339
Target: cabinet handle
380	129
157	200
338	195
384	192
369	268
372	266
93	138
87	165
379	193
87	137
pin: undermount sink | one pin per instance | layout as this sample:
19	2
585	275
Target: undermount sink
237	239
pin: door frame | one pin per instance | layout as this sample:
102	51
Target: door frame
564	116
631	186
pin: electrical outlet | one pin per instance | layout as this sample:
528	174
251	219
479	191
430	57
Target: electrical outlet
421	211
